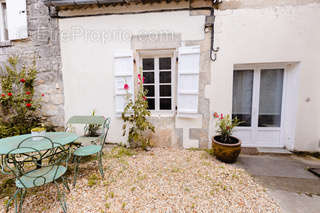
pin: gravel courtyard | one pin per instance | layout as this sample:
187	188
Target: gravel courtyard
161	180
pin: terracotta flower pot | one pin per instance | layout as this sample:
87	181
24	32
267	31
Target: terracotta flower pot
227	153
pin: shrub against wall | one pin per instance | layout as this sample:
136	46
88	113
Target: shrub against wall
19	108
135	117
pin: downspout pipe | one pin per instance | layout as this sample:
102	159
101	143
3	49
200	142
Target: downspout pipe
213	50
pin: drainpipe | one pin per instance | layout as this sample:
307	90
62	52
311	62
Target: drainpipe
210	23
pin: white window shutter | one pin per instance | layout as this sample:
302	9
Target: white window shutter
17	19
123	74
188	80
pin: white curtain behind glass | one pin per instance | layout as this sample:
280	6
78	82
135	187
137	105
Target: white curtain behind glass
271	84
242	92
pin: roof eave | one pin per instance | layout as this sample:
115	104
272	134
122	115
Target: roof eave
59	3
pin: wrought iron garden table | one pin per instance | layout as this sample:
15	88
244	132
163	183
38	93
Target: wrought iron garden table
11	143
54	148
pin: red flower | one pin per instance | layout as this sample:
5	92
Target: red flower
25	99
126	86
28	93
228	127
143	80
215	115
28	105
139	76
22	80
3	95
221	116
42	94
144	98
9	94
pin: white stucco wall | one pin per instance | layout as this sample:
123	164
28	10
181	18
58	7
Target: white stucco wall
268	35
87	46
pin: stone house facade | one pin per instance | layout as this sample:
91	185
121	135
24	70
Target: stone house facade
264	71
41	41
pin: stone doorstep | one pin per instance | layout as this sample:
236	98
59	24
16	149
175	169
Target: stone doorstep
264	150
273	151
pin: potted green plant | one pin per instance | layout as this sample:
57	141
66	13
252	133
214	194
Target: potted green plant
226	147
39	131
92	129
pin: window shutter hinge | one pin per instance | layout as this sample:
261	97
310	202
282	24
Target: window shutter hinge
177	59
176	108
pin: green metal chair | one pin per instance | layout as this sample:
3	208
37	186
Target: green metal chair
36	168
85	120
92	149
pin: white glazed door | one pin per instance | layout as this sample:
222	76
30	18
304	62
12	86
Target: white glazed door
258	102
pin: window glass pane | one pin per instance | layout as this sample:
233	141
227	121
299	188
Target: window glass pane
270	101
148	77
165	90
148	64
150	90
165	77
242	96
150	103
165	103
165	63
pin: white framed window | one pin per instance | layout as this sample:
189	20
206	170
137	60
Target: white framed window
158	69
3	21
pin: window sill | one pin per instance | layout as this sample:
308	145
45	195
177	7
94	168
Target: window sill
189	115
162	115
5	44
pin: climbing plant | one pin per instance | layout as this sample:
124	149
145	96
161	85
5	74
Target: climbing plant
135	116
19	108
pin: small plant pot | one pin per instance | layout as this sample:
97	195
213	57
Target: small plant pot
38	132
226	152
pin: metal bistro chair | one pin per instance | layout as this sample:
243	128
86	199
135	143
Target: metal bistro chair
92	149
87	121
34	168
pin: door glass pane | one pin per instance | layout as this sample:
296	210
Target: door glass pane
150	90
165	77
151	103
165	103
148	64
165	90
242	96
270	100
165	63
148	77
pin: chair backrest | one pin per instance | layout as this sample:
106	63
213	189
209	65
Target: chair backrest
86	120
31	159
105	128
82	119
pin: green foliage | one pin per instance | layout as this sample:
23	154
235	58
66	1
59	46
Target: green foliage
92	180
120	151
19	109
135	116
225	126
7	187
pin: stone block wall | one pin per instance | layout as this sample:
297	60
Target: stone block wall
43	44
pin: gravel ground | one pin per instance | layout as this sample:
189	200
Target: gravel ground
161	180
